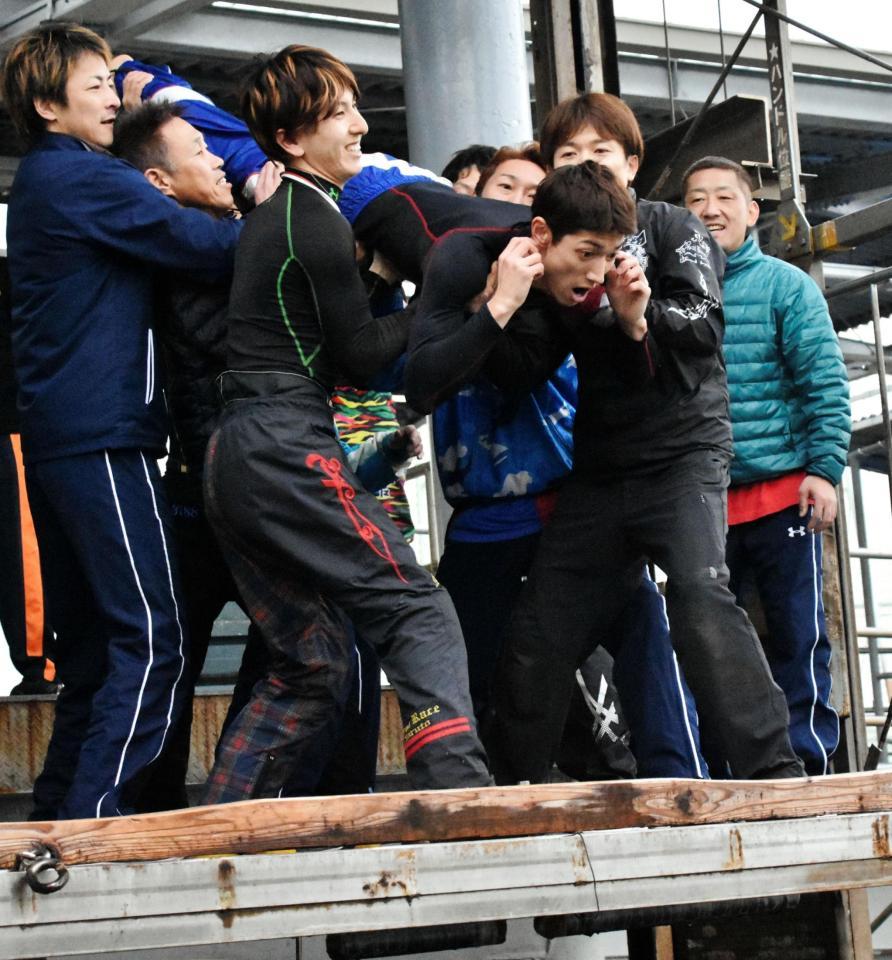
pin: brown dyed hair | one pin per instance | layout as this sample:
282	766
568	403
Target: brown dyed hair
37	68
612	118
292	91
584	196
720	163
529	151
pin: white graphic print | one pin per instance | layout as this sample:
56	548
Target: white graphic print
697	312
452	455
702	281
604	716
795	532
498	451
694	250
636	246
562	413
516	484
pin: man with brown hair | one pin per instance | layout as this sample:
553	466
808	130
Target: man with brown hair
84	231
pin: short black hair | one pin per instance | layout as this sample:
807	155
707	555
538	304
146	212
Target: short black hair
477	155
720	163
584	196
138	137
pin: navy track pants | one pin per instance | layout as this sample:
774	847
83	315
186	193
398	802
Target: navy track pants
784	560
111	586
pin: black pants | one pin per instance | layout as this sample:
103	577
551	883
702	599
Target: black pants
348	763
304	541
348	756
484	580
22	614
589	563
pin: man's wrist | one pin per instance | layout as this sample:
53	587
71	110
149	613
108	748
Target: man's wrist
635	329
501	310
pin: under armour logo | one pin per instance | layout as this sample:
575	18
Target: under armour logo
604	716
795	532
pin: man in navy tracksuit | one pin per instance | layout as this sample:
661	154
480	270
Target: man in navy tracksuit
84	230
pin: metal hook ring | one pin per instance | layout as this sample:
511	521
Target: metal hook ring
39	860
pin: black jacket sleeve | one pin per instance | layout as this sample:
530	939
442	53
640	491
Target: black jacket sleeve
533	346
684	267
685	310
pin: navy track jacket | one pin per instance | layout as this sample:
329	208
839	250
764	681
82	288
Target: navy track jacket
85	231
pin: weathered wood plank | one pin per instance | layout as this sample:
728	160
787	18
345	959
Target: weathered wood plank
259	825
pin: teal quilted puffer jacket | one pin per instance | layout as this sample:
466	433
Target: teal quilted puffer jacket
786	377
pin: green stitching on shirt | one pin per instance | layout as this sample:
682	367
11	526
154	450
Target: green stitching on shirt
307	361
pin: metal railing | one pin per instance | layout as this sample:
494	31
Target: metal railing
865	643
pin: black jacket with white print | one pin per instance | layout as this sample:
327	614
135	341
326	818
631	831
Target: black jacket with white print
644	405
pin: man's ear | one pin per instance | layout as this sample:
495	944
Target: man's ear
540	233
634	162
46	109
752	214
290	145
161	180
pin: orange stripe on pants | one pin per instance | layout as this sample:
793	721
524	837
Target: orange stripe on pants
31	579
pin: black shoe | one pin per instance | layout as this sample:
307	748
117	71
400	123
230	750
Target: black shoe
35	688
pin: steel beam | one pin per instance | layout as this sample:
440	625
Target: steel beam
229	35
554	62
736	128
597	43
849	179
84	11
149	15
853	228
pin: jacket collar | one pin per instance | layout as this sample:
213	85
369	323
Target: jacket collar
744	255
62	141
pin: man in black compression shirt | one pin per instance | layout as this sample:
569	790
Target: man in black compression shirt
298	531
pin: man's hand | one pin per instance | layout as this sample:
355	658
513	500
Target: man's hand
485	295
404	443
384	269
518	266
822	494
268	180
628	292
134	84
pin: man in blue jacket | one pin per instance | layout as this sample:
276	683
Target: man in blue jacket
791	425
84	231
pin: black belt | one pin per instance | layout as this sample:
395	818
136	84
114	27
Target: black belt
242	384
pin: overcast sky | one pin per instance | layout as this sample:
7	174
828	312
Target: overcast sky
866	24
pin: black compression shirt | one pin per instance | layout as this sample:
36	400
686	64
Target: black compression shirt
448	347
403	223
298	303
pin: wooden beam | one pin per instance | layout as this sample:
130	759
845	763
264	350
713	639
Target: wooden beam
259	825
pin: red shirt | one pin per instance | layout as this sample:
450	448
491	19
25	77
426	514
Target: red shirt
751	501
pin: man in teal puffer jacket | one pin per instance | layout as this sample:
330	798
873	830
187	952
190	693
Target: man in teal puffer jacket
791	423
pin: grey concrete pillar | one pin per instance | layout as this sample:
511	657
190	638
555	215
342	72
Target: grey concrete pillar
465	74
